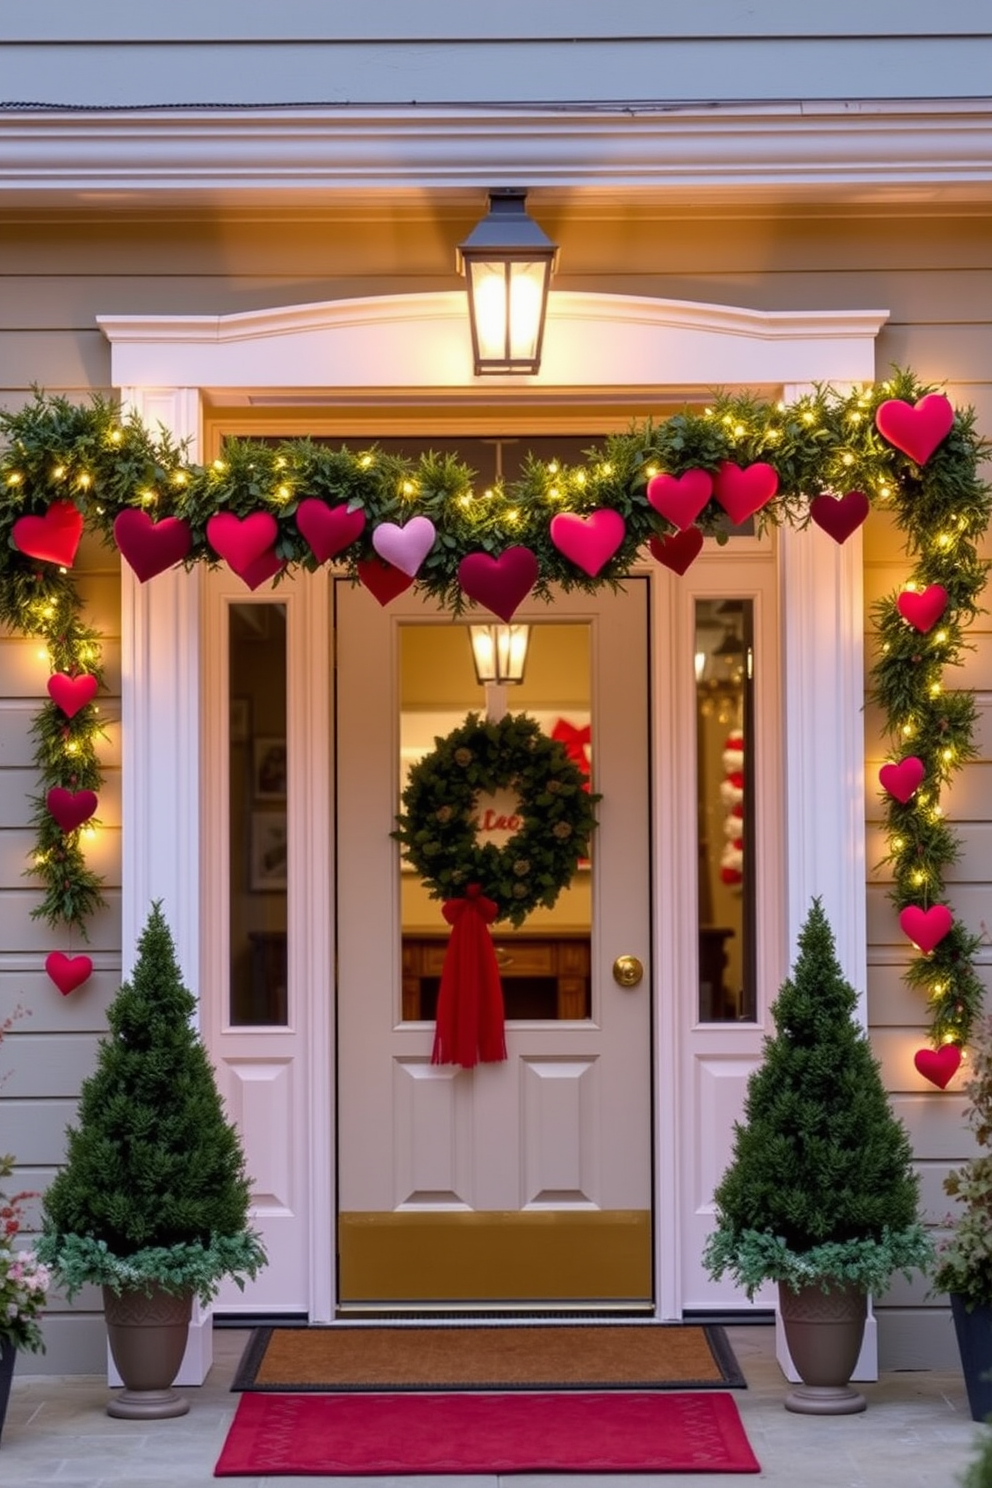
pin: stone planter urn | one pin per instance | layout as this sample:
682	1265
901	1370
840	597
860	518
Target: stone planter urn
824	1331
8	1358
974	1334
147	1335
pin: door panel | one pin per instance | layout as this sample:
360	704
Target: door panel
527	1181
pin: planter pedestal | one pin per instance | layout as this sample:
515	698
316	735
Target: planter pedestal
147	1336
824	1332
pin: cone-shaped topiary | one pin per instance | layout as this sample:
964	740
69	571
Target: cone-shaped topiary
821	1185
154	1187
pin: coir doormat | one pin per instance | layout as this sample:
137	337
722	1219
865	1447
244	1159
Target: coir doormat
318	1435
613	1356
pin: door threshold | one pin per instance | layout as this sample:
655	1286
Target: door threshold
577	1311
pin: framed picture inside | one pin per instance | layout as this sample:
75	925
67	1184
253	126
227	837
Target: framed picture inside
267	872
269	769
240	723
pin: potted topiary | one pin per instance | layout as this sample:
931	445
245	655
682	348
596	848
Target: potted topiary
820	1195
964	1258
152	1203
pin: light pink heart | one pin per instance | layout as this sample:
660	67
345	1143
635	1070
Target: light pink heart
939	1066
72	693
680	498
54	537
677	550
922	610
405	547
151	547
742	491
916	428
903	779
926	928
588	542
328	529
501	584
242	540
70	808
840	515
68	972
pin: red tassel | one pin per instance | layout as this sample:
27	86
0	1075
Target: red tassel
469	1025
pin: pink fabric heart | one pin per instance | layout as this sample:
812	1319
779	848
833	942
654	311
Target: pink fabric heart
939	1066
926	928
501	584
922	611
405	547
742	491
915	428
70	808
382	579
328	529
840	515
680	498
678	549
588	542
68	972
54	537
903	779
72	693
262	568
242	540
151	547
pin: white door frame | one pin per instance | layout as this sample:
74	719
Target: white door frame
598	347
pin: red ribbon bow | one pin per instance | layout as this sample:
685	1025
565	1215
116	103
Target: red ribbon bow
576	741
469	1025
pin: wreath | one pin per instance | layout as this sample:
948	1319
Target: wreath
438	827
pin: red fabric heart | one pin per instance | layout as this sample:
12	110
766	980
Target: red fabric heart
70	808
902	780
680	498
938	1065
262	568
54	538
915	428
501	584
68	972
72	693
151	547
328	529
840	515
382	579
742	491
588	542
923	610
926	927
242	540
678	549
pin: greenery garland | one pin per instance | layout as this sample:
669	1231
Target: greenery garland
438	830
824	443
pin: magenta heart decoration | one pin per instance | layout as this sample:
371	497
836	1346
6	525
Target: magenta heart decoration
501	584
680	498
926	928
678	549
151	547
915	428
588	542
68	972
839	516
328	529
922	610
903	779
939	1066
405	547
262	568
54	537
242	540
72	693
70	808
382	579
743	490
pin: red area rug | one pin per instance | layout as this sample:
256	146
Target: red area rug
316	1435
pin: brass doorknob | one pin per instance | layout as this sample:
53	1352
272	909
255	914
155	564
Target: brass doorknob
627	971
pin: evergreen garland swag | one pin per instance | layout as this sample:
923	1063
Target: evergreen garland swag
825	444
153	1189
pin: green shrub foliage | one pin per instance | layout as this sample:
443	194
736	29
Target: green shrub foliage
152	1163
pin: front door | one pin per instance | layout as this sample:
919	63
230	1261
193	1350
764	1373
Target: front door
524	1183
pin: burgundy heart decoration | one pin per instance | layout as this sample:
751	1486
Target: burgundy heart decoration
677	550
241	541
501	584
916	428
939	1066
923	609
72	693
328	529
54	537
70	808
383	580
839	516
151	547
680	498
